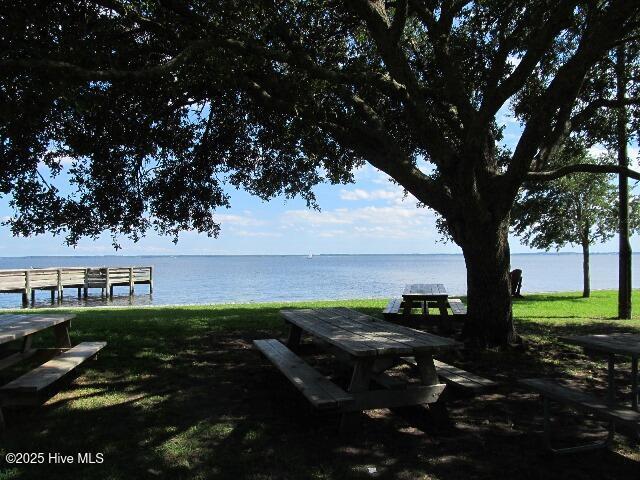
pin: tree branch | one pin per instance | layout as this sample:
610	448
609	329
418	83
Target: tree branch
399	20
563	90
106	74
578	168
538	46
375	17
439	32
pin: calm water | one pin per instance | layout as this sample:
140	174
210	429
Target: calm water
229	279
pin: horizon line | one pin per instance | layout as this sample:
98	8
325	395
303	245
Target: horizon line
167	255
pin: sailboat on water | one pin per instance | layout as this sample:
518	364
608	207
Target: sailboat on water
310	255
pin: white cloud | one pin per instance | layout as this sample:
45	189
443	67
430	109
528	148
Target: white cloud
360	194
254	233
332	233
360	217
393	197
246	219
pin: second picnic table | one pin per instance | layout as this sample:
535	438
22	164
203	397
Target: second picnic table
372	346
425	293
612	344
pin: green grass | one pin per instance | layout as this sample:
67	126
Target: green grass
179	393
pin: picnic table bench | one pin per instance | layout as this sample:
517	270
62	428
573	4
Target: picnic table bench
550	389
395	308
459	379
426	296
371	346
31	388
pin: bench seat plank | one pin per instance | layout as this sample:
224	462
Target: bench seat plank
321	392
393	307
555	390
457	307
41	377
457	377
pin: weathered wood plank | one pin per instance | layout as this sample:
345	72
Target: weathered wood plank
374	336
321	392
353	344
48	373
457	377
416	339
555	390
372	399
15	326
26	280
393	306
424	289
621	343
457	307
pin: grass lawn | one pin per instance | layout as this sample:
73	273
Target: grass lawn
179	393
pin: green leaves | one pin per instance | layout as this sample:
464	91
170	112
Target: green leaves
161	107
575	210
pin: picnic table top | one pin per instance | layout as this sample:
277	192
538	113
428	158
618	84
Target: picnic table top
14	326
361	335
621	343
425	290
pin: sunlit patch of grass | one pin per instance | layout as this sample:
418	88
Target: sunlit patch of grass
188	447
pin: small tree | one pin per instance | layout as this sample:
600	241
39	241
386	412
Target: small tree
577	210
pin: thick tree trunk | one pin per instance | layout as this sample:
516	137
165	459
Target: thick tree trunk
586	279
624	255
486	253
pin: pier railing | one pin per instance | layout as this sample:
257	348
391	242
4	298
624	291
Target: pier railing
27	281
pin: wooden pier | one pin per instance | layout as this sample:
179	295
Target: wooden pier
27	281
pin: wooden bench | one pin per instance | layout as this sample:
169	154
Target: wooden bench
458	378
457	307
392	308
26	389
396	305
555	390
321	392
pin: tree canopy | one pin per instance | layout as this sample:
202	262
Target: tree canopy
159	104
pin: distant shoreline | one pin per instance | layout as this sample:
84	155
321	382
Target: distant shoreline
302	255
382	300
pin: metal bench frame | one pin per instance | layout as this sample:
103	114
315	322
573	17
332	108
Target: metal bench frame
606	443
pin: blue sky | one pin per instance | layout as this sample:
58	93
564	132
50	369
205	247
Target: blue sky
369	216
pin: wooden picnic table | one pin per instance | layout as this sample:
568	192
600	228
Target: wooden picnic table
33	387
372	346
612	344
425	293
25	326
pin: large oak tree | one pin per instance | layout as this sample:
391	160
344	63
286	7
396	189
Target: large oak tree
160	103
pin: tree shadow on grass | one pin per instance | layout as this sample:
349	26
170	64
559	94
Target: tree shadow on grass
183	395
576	328
537	297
